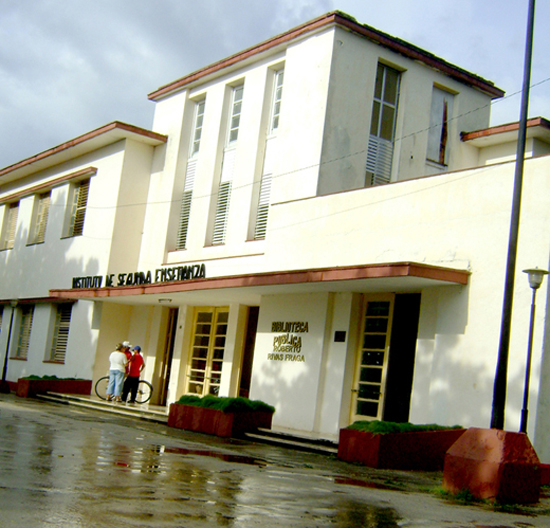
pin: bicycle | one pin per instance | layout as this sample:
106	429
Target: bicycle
144	393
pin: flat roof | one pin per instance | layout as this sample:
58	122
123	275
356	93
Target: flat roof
335	18
536	127
248	289
88	142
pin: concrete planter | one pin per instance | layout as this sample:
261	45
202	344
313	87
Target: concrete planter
424	451
28	388
215	422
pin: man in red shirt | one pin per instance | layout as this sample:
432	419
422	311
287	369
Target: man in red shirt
135	366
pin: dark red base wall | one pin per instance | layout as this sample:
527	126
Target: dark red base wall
28	388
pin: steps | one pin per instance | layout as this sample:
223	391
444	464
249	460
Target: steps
147	412
158	414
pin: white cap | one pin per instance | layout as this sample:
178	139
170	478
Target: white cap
126	344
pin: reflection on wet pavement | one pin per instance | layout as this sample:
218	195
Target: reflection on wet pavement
59	471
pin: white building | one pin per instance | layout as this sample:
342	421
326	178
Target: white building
320	222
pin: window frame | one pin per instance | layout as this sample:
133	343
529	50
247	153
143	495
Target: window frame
39	222
234	121
24	331
441	113
78	200
60	335
9	227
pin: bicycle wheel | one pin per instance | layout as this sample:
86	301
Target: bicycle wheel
144	392
101	387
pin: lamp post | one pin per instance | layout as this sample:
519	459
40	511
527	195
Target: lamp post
4	385
536	276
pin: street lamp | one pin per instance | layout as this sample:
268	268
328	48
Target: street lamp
536	276
4	385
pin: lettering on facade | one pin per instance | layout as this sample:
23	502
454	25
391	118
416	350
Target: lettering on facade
176	273
287	346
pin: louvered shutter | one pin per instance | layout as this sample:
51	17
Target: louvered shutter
185	210
224	196
263	207
61	332
9	238
27	313
379	160
42	217
79	208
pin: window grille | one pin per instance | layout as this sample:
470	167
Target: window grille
61	332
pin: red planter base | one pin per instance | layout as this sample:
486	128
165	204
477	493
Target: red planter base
424	451
495	465
218	423
28	388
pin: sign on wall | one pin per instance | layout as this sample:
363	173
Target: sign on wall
177	273
287	344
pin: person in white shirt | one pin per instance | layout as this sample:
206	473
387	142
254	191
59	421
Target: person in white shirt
117	369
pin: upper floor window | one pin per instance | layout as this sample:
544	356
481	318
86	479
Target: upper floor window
61	332
40	218
78	204
440	114
7	240
382	128
24	334
236	107
276	105
199	117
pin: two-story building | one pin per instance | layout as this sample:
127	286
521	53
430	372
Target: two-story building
320	221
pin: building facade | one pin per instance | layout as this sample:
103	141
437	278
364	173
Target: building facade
320	221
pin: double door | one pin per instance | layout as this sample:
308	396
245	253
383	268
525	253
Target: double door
205	363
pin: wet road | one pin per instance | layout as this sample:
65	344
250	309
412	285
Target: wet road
65	467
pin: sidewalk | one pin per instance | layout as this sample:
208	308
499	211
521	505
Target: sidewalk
67	465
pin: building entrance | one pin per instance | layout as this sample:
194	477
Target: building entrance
204	370
385	359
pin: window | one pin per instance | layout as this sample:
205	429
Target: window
221	214
24	335
382	129
10	223
276	106
236	106
185	210
40	218
441	112
78	208
61	332
199	117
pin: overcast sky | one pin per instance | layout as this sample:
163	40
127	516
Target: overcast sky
70	66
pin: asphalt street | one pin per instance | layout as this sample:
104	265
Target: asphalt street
62	466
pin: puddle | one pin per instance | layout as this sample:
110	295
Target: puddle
363	483
239	459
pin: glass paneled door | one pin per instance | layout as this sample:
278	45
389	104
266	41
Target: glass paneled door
206	359
372	358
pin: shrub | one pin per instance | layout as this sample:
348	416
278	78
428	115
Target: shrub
225	404
380	427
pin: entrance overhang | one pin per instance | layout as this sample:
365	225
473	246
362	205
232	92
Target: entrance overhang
248	289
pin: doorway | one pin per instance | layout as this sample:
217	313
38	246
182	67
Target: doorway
384	367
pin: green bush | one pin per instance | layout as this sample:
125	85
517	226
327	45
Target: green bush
379	427
225	404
